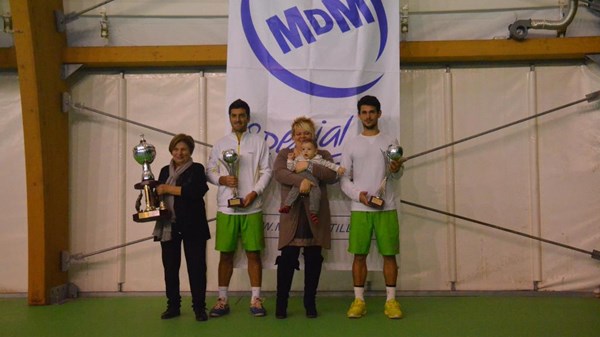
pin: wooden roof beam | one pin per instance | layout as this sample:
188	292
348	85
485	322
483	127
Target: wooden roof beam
411	52
38	58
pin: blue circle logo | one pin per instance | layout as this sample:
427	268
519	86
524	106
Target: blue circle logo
298	83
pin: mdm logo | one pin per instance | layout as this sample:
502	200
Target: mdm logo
294	27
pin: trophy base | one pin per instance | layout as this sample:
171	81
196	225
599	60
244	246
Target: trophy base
150	183
235	202
376	202
151	215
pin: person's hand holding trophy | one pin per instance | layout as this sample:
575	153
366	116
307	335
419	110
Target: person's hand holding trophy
392	157
231	161
154	208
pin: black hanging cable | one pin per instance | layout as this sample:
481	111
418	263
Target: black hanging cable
595	254
83	107
589	98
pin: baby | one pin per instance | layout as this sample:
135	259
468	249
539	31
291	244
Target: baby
309	153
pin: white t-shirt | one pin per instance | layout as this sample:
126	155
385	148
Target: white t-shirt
254	170
365	169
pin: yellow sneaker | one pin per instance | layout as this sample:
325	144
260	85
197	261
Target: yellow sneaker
357	309
392	309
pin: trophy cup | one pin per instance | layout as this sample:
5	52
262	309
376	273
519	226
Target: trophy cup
154	209
393	152
231	160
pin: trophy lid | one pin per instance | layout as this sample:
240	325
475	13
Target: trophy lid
230	156
394	152
144	153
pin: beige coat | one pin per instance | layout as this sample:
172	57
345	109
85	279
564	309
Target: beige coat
289	222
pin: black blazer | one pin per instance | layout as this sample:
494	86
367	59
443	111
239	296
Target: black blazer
190	209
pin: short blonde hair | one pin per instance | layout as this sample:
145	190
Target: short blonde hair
305	124
187	140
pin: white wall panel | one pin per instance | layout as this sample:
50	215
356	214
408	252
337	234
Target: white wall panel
423	252
13	241
217	122
492	178
96	192
570	176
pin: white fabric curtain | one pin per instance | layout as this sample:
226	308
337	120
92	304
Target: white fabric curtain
492	176
13	241
488	179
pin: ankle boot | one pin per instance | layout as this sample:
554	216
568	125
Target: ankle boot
312	274
285	275
171	312
281	307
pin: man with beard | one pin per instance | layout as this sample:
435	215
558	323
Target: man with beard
253	172
366	170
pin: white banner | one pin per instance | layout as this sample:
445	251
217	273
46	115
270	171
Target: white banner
314	58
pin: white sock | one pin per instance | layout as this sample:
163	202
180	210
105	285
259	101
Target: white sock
390	292
255	292
359	293
223	293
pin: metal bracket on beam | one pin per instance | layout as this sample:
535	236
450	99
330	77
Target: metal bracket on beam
66	102
596	254
63	292
62	19
66	259
594	96
69	69
594	58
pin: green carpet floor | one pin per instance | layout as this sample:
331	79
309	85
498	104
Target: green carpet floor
424	316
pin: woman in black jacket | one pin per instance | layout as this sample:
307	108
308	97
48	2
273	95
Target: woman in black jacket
182	187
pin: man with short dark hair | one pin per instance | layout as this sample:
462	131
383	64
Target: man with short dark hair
244	220
366	170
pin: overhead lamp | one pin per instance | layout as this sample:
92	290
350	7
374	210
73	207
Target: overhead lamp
104	26
7	23
404	19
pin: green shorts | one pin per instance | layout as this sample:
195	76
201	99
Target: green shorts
387	232
248	226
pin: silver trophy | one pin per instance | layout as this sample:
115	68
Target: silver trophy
154	208
393	153
231	160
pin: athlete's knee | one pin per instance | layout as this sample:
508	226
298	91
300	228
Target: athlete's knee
226	257
253	256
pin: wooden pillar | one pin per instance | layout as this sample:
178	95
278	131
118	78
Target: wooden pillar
39	49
